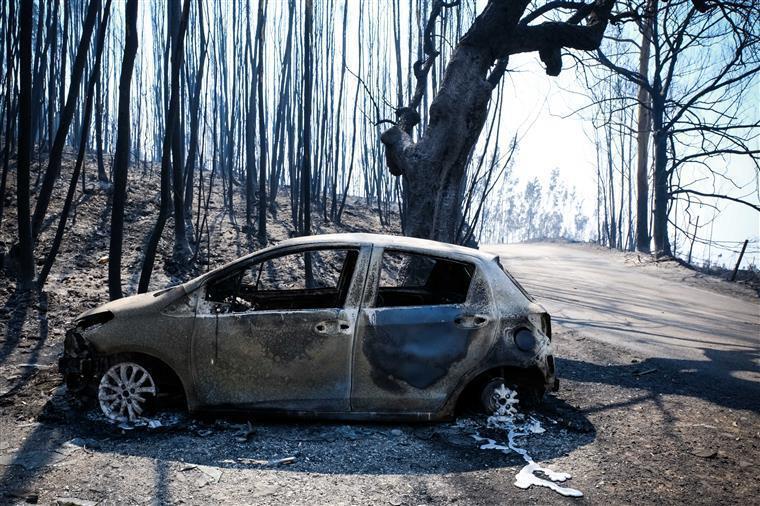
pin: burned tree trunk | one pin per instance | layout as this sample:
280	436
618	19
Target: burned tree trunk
121	157
94	78
642	135
24	257
56	152
181	245
308	79
433	168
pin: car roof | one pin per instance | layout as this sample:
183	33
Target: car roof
386	241
355	239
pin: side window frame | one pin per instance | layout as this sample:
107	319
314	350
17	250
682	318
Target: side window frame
240	270
372	283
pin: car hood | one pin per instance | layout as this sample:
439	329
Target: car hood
140	303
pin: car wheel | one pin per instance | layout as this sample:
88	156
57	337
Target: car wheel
126	392
498	394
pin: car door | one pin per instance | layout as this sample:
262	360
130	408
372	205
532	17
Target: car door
425	321
278	334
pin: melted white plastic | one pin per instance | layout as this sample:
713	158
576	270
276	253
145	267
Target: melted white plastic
516	424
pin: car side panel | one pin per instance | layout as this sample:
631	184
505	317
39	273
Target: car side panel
412	358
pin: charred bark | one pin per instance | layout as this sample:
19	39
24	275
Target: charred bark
120	164
433	168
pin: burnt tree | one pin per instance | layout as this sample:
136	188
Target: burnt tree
25	251
67	115
433	167
121	157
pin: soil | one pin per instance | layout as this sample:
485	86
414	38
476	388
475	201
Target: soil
625	432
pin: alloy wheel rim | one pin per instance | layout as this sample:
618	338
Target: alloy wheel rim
124	392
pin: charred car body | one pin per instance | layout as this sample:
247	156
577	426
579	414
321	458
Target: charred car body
343	326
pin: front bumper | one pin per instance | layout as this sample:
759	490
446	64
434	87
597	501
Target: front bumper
78	362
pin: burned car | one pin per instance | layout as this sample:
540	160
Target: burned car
355	326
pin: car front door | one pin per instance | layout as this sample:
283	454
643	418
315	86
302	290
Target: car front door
278	334
425	321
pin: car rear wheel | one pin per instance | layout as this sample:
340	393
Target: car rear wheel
126	392
499	394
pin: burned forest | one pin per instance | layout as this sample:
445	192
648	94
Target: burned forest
379	251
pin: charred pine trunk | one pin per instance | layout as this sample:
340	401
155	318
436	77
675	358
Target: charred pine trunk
24	254
120	164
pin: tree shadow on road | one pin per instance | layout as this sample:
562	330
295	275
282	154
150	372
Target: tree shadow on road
735	387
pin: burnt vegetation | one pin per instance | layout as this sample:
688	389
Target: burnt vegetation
402	107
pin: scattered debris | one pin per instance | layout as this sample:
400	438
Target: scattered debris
35	366
212	472
73	501
78	442
284	461
246	433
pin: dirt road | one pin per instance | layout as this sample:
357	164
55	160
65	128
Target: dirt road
663	314
658	403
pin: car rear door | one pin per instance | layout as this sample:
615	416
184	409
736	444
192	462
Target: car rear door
279	337
425	321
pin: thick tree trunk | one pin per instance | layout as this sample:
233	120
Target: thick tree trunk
120	163
642	137
661	195
181	245
434	167
24	256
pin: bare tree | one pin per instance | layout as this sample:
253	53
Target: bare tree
25	252
693	99
93	79
121	156
56	152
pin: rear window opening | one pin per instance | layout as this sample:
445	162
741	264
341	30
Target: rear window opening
514	281
414	279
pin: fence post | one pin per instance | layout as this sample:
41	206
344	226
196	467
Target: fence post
736	269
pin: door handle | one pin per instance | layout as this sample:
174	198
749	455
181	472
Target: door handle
471	321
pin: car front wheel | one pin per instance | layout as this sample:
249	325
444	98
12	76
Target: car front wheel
126	392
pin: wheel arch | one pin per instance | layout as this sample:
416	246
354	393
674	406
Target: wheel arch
165	376
469	390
